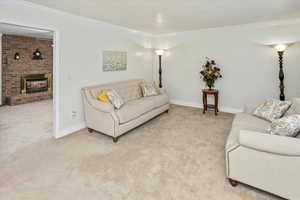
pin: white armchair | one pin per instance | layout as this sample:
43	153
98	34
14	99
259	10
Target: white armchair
256	158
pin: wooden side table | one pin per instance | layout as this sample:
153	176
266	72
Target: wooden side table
214	106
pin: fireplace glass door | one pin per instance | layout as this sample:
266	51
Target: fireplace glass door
35	83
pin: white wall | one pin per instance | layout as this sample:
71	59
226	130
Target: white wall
81	42
0	68
249	66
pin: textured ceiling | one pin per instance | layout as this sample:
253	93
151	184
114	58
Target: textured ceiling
166	16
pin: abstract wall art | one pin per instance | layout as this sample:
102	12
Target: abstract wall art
114	61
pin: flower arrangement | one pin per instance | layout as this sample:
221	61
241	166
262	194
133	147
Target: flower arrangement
210	73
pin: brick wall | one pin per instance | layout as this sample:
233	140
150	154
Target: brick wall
13	70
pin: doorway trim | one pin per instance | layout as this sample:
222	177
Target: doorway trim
1	101
56	63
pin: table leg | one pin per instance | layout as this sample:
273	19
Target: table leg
216	104
203	100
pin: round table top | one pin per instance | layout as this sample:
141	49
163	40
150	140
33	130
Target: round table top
210	91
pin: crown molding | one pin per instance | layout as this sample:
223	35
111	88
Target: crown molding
151	35
67	14
245	26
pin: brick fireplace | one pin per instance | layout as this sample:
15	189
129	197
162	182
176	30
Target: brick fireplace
26	80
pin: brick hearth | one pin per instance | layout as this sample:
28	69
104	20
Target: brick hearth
13	70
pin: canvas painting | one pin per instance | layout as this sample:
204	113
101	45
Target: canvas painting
114	61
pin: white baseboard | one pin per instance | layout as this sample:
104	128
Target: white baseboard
198	105
70	130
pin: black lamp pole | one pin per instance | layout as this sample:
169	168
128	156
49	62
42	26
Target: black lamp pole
160	71
281	76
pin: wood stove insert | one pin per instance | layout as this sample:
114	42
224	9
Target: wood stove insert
35	83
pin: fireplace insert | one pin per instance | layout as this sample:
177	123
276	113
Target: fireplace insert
34	83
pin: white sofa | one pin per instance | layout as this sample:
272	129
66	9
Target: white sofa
256	158
104	118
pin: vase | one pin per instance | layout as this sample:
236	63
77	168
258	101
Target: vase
210	84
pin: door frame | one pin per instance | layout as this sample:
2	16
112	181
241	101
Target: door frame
55	77
1	69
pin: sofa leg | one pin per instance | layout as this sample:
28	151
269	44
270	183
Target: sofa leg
167	111
115	139
90	130
232	182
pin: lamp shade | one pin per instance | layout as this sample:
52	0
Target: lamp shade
280	47
160	52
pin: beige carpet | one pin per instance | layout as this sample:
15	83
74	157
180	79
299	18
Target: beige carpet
176	156
23	125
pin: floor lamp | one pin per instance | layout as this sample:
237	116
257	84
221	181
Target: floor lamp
160	53
280	48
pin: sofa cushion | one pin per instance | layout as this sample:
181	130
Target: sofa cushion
250	122
135	108
158	100
243	121
130	93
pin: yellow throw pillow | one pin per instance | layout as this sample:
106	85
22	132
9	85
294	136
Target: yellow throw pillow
143	83
103	97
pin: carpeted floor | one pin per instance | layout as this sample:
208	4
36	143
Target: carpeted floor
175	156
23	125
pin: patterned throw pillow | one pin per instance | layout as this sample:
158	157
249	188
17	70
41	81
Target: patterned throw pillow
156	88
148	89
272	109
115	98
286	126
295	107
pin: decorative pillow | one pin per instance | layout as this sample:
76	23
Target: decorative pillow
148	89
295	107
286	126
115	98
272	109
156	87
103	97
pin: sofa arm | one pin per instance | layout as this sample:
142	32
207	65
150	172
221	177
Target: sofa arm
249	108
281	145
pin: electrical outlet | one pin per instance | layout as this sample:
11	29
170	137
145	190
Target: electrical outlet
74	114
